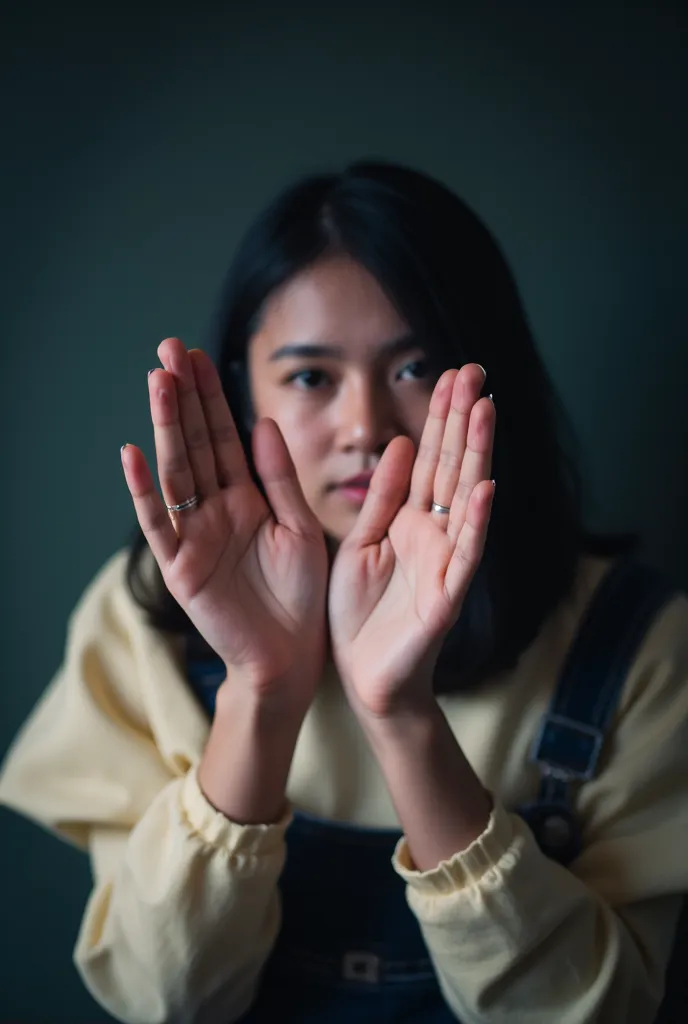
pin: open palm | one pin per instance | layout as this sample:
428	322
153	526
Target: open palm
251	577
401	575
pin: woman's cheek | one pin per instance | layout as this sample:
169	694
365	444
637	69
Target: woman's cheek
305	440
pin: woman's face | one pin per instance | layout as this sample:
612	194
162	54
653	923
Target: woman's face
335	366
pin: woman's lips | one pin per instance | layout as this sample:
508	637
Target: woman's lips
356	495
355	489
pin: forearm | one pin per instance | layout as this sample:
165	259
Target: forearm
441	804
246	762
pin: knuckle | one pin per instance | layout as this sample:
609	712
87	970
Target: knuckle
155	521
427	452
197	439
175	464
463	558
224	435
450	460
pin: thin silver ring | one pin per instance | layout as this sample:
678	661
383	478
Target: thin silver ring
189	503
440	508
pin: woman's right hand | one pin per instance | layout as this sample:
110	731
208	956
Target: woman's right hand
251	576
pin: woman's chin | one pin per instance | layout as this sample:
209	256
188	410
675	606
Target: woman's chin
337	531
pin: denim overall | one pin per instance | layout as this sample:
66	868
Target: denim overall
350	949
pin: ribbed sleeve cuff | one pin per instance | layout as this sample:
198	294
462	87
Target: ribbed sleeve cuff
216	830
468	867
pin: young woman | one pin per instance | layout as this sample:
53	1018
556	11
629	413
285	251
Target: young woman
348	733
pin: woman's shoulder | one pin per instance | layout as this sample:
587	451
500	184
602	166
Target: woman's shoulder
659	672
636	802
115	723
138	658
643	615
108	588
107	610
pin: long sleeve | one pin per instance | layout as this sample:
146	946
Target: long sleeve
184	909
179	930
516	936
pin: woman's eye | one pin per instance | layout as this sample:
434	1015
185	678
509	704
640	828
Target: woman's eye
415	370
309	380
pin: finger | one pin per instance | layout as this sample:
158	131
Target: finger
174	470
386	494
425	466
276	469
470	544
150	509
448	476
175	359
476	464
230	460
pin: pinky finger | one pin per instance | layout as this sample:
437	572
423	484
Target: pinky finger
150	509
470	544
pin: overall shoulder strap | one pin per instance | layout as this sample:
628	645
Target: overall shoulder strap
570	738
571	734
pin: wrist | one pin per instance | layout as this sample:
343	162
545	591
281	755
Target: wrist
267	697
263	703
245	766
396	700
441	803
412	702
414	721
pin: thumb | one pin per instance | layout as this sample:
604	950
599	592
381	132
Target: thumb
276	470
388	490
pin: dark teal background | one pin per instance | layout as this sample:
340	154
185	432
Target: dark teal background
138	142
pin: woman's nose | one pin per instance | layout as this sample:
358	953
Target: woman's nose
366	417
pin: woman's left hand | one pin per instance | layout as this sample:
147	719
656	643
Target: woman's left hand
400	577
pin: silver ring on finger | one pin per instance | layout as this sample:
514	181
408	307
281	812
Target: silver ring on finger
443	509
188	504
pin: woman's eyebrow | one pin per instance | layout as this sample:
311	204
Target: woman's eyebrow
311	350
306	350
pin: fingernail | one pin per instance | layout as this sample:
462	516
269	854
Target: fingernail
491	397
494	483
484	370
123	447
150	371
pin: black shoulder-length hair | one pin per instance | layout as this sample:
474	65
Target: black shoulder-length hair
446	275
